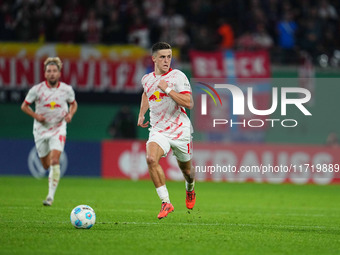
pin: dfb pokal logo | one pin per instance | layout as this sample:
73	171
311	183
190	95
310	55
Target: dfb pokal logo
36	168
132	162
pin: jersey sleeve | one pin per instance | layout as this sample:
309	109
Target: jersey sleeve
182	84
70	95
31	95
143	82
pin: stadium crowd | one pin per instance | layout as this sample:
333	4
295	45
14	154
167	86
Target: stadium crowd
285	27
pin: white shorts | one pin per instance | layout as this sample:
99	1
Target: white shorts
181	148
45	145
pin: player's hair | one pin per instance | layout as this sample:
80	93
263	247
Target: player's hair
160	46
53	61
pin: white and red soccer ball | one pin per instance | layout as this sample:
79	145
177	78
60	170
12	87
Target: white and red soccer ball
83	216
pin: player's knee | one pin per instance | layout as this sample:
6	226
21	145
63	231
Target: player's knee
151	161
45	165
187	170
54	161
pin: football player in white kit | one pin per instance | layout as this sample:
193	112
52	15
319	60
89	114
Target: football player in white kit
51	98
167	93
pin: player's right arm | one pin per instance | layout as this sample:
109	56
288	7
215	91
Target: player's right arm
144	106
25	107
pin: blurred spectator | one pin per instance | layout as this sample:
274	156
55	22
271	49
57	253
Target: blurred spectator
170	24
130	9
327	11
91	28
69	26
114	31
303	7
25	22
100	9
182	42
112	5
287	28
310	35
139	33
6	23
205	39
227	35
329	41
196	13
261	38
258	17
228	10
332	140
153	10
67	30
246	41
253	15
123	124
271	9
49	15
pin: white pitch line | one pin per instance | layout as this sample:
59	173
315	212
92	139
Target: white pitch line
163	222
209	212
218	224
63	209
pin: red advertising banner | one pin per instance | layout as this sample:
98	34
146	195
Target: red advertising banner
230	162
127	160
86	68
207	64
238	64
124	159
252	64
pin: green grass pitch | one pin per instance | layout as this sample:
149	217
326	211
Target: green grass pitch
229	218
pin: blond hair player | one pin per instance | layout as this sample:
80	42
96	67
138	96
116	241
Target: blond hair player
167	92
52	99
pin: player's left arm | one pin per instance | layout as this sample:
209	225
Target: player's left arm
182	99
72	111
70	99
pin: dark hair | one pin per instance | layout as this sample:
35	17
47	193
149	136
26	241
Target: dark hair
160	46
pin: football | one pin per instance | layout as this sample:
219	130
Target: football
83	216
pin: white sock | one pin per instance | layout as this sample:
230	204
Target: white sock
163	194
189	186
53	180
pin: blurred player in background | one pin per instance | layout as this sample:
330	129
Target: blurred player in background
167	93
51	98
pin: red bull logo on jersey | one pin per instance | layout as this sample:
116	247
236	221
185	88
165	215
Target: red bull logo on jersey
157	96
52	105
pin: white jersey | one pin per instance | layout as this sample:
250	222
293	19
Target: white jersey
52	103
166	116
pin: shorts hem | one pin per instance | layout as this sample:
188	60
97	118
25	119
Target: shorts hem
158	143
